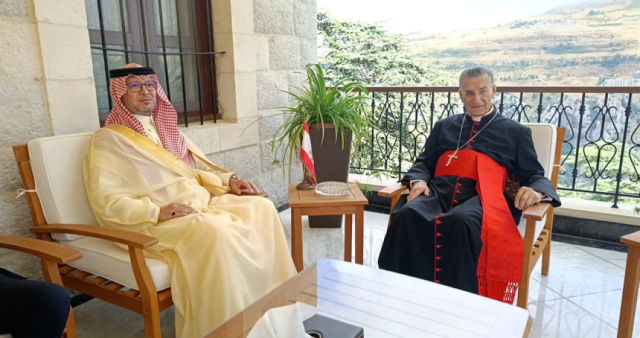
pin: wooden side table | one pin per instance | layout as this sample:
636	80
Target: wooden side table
308	202
630	289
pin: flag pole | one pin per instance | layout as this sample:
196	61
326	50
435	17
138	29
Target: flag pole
307	183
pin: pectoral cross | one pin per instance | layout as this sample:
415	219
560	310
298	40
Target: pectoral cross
451	157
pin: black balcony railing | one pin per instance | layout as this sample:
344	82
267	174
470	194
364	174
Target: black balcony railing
601	151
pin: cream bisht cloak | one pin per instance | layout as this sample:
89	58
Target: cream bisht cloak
222	259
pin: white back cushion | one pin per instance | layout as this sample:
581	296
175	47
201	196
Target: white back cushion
57	168
544	140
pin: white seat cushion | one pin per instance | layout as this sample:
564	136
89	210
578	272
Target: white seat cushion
103	258
539	227
57	168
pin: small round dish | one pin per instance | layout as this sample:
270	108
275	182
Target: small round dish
332	188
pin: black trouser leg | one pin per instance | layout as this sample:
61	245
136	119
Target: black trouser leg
30	309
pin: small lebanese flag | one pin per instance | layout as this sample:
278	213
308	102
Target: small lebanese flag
305	153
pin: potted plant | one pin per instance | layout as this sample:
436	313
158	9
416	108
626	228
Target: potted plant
336	115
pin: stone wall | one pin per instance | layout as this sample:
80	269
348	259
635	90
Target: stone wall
266	42
46	88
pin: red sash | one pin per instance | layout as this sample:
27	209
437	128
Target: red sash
500	262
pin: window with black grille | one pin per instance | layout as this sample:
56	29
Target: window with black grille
174	37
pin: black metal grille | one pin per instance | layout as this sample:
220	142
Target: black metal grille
601	152
173	36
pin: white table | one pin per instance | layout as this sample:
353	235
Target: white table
387	304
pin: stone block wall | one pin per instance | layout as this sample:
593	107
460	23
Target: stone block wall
46	88
266	43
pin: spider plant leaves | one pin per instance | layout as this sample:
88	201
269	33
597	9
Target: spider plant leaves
342	104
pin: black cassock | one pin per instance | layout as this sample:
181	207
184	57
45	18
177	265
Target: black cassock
412	245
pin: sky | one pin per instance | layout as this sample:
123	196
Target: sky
428	16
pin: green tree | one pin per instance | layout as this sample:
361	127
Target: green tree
355	50
367	52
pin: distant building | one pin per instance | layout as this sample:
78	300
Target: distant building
635	81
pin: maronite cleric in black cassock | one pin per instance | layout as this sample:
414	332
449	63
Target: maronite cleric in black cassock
477	173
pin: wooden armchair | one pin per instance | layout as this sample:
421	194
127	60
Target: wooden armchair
537	221
51	255
630	288
51	171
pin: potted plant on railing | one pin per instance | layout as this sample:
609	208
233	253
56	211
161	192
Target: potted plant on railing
336	115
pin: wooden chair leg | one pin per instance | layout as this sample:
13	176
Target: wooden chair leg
546	254
629	293
52	275
546	257
148	293
71	326
152	320
527	330
394	201
523	290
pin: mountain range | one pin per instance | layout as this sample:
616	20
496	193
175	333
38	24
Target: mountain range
576	44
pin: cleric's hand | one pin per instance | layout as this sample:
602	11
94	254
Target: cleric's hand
418	188
526	197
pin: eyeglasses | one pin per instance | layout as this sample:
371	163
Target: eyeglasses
135	87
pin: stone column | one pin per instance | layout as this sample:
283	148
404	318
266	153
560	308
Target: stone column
265	42
46	88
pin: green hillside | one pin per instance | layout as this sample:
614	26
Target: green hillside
571	45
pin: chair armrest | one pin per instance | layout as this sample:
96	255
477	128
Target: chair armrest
632	239
392	190
245	192
537	211
46	250
125	237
